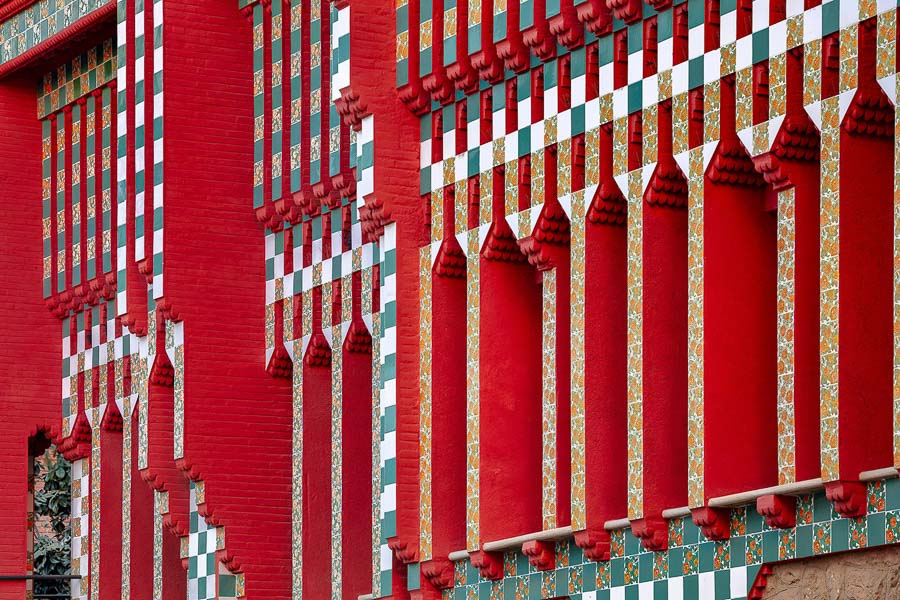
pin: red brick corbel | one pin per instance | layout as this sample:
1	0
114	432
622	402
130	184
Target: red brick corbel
848	497
438	572
714	522
541	555
489	564
653	533
779	511
594	544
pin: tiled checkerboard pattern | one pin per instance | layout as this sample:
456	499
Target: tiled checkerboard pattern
693	567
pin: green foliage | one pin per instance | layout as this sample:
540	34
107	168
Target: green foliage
52	553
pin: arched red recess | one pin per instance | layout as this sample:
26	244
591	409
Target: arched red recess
141	524
865	358
793	163
448	409
606	353
739	318
510	387
665	289
356	460
110	583
317	459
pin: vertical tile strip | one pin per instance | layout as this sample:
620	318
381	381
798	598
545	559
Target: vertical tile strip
259	104
296	94
157	140
377	429
106	157
140	129
297	466
277	108
96	418
548	405
337	434
77	206
577	257
90	166
175	349
387	370
61	145
334	120
121	152
785	321
829	257
316	120
402	42
160	507
80	524
635	341
425	421
47	127
473	303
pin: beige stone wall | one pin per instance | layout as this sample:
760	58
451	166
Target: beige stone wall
860	575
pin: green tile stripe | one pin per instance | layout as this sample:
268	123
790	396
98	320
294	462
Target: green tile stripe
259	105
156	175
141	135
526	14
473	43
449	34
39	22
387	368
402	25
277	87
106	152
76	78
61	204
499	22
121	156
90	249
426	38
296	111
340	61
47	131
317	120
77	204
334	120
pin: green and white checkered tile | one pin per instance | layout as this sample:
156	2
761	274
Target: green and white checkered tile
693	567
387	346
121	193
79	522
143	135
157	140
202	543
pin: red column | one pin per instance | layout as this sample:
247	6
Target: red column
665	292
316	460
740	312
356	462
606	351
510	388
865	353
448	416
